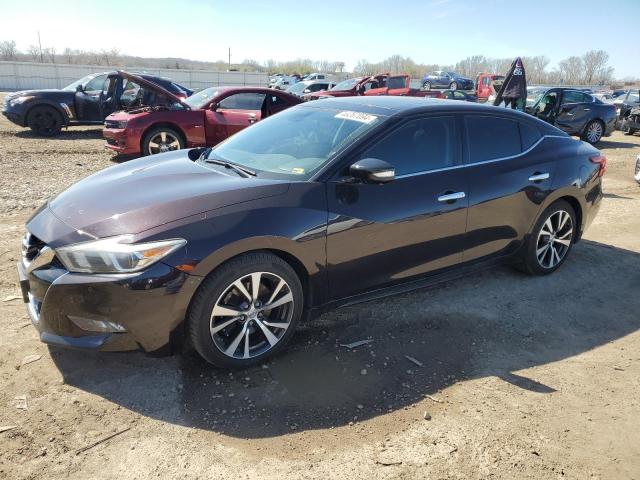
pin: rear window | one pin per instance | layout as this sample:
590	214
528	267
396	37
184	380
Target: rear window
490	138
396	82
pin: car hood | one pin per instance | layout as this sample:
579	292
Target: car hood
52	94
152	191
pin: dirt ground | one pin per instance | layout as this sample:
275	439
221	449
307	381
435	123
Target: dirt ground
519	377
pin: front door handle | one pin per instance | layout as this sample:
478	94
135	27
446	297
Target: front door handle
451	197
538	177
252	119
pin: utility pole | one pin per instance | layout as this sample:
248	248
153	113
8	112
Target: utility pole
229	58
40	45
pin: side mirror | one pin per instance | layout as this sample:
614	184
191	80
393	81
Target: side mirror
79	89
373	170
214	107
307	90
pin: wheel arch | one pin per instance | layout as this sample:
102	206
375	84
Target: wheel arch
166	124
46	103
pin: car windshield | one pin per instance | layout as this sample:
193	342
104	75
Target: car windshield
72	86
632	97
200	99
296	143
346	84
297	87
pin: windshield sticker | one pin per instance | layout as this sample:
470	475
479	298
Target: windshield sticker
356	116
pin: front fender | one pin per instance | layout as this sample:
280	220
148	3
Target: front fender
51	103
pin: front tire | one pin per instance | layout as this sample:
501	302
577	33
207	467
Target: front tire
453	86
245	311
551	239
45	121
426	86
593	132
161	140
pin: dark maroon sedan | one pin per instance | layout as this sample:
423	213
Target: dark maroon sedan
204	119
325	204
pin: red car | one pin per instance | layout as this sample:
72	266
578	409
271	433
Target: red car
351	87
204	119
381	84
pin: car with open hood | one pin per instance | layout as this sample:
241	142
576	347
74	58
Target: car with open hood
86	101
325	204
204	119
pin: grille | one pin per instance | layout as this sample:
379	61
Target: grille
111	124
31	247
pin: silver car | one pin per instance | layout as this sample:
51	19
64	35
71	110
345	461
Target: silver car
300	89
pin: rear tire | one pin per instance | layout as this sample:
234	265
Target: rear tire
256	333
161	140
426	86
45	121
593	132
453	86
551	240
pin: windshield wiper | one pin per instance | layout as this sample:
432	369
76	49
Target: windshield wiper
243	171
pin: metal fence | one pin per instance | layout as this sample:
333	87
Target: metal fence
26	75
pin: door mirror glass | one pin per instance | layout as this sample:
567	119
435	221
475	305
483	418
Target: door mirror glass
373	170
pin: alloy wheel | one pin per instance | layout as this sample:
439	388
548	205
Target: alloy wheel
594	132
554	239
454	86
252	315
163	142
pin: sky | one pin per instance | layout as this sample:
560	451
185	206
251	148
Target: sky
429	31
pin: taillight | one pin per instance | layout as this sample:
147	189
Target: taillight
601	160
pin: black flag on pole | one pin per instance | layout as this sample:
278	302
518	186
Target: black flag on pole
514	86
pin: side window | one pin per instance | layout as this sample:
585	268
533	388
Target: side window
489	138
316	87
95	85
528	135
459	95
320	77
275	101
243	101
573	97
485	81
418	145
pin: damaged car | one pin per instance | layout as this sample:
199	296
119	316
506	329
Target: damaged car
87	101
204	119
631	122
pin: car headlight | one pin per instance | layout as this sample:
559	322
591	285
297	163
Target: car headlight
120	124
115	255
19	100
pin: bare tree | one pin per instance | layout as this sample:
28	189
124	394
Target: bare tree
594	62
34	51
8	50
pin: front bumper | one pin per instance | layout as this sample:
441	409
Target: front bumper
14	115
148	305
121	141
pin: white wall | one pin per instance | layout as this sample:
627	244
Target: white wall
25	76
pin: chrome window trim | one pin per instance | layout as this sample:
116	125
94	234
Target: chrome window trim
455	167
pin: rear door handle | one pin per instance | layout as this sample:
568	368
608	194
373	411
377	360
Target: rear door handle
451	197
538	177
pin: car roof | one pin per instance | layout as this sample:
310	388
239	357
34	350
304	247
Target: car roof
390	106
398	105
